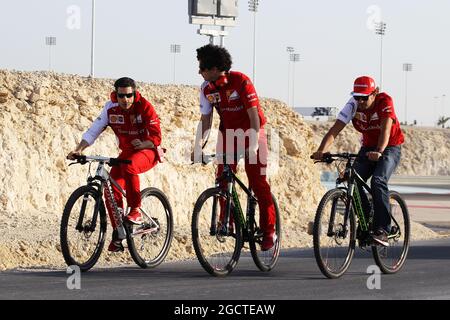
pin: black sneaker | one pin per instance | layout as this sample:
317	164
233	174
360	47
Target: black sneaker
381	237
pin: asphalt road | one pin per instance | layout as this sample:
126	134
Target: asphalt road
424	276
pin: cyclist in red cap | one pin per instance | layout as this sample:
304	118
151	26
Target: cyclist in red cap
136	125
241	127
372	114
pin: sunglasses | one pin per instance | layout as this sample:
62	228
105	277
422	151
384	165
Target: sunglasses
358	98
123	95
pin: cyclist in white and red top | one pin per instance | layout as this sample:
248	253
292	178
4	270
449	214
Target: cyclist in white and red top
241	128
372	113
136	125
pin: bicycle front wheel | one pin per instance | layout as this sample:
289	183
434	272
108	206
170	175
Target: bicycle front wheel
150	241
264	260
333	245
392	258
82	232
217	252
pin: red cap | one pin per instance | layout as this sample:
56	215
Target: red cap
363	86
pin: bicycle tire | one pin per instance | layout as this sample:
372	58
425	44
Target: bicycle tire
67	247
200	227
382	254
265	260
320	236
155	233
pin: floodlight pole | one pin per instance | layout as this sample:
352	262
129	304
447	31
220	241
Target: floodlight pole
406	67
50	41
443	105
253	7
92	39
290	50
294	57
436	112
380	29
222	36
174	48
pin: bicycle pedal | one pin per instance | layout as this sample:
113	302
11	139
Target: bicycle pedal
144	231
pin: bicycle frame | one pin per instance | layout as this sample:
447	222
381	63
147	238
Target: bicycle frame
354	201
231	179
102	175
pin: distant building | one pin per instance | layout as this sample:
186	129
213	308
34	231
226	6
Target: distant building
318	113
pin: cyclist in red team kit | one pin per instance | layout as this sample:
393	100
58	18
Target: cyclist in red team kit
136	125
372	113
241	128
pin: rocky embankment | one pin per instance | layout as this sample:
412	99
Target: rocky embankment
42	118
426	151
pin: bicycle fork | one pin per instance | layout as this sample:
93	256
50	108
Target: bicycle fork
225	227
341	232
79	227
225	217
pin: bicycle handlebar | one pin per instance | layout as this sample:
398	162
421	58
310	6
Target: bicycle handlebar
207	158
330	157
82	159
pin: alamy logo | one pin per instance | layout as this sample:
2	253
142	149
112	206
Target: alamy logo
73	21
374	280
374	18
74	280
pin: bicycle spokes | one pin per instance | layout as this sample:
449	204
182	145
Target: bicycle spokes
81	239
150	240
217	245
332	235
390	259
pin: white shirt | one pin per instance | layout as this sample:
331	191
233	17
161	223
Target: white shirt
348	111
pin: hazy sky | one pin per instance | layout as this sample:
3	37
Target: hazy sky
333	38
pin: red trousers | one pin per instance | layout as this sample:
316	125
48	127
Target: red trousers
126	175
256	173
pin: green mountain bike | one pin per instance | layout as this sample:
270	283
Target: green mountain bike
340	222
218	238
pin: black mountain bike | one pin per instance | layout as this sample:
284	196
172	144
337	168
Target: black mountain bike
83	224
341	221
218	238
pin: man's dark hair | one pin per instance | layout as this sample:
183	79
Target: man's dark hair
212	56
125	82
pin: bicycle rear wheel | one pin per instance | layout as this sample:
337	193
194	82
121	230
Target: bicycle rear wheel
149	242
81	240
391	259
333	246
218	253
264	260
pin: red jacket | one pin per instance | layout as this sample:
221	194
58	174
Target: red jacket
138	122
368	122
232	95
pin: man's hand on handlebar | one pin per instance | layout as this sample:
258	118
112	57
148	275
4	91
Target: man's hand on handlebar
72	154
318	155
